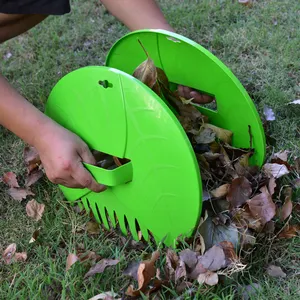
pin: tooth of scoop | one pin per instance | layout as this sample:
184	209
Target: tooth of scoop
86	204
95	211
132	228
122	223
110	217
103	216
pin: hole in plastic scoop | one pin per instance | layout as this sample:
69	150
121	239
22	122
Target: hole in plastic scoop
105	84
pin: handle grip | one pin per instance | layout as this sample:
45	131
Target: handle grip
118	176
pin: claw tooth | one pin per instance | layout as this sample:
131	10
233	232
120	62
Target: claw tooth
101	211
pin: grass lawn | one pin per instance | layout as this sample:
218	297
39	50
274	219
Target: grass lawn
259	44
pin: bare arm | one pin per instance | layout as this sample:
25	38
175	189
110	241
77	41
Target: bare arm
61	151
138	14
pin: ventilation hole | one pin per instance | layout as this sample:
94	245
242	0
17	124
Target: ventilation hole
107	161
98	212
105	84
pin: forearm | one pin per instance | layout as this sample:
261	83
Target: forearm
20	116
138	14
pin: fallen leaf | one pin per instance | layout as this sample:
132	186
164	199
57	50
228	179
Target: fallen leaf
198	269
246	2
35	210
213	259
275	170
35	235
180	271
295	102
146	272
221	191
8	253
229	252
33	177
146	71
272	185
105	296
71	260
206	136
189	257
269	114
92	228
31	158
239	192
287	207
101	266
20	193
10	179
262	206
132	270
172	262
87	256
282	155
210	278
223	134
244	218
275	271
22	256
289	232
214	234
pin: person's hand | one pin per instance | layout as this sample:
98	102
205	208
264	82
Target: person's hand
189	93
62	153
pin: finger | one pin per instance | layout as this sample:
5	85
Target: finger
86	155
84	178
180	90
187	92
201	98
69	182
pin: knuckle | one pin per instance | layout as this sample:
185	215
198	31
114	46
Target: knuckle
87	182
66	165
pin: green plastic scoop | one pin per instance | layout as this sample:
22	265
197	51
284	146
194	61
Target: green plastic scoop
159	189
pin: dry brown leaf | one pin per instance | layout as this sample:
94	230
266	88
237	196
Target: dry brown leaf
223	134
19	193
272	185
275	170
229	252
146	271
189	257
35	235
206	136
290	232
180	271
71	260
105	296
239	192
282	155
210	278
31	158
10	179
35	210
287	207
262	206
198	269
172	261
244	218
221	191
20	256
246	2
92	227
101	266
275	271
213	259
33	177
9	253
146	71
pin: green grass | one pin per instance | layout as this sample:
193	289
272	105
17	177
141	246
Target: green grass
260	45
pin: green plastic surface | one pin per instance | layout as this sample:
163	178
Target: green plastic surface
186	62
160	189
164	193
